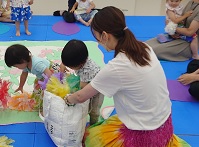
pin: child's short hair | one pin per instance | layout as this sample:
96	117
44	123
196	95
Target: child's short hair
74	53
17	54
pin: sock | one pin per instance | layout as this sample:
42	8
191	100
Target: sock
56	13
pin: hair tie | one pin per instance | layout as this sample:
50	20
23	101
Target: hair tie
125	28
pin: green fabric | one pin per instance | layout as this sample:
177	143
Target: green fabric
73	82
12	116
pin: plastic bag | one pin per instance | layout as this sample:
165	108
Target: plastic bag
64	124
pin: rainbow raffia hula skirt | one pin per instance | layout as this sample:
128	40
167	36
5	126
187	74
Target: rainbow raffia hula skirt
113	133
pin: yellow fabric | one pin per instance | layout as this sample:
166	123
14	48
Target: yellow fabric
54	86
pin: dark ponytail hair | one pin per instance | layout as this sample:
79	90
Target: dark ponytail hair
112	20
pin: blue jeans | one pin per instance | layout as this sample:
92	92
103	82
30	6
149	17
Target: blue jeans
85	16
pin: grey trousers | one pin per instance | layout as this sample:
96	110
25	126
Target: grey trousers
94	107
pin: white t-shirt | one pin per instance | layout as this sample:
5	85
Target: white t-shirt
19	3
82	6
140	94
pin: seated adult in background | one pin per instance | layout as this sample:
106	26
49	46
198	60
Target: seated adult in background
67	16
83	11
179	50
5	16
192	78
4	13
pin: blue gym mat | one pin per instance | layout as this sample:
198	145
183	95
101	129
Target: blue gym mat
184	114
174	69
4	28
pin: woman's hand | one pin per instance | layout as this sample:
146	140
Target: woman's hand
186	79
175	36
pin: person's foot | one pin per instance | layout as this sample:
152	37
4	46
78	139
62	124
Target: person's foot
28	33
89	23
86	24
18	33
61	12
195	57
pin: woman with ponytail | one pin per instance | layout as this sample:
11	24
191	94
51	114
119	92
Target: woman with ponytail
137	83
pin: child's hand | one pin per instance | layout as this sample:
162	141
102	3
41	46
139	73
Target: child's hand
30	2
72	10
187	14
7	6
63	68
88	10
19	89
175	36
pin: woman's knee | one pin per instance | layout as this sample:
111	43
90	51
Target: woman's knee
194	90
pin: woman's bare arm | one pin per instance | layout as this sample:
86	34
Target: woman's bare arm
82	95
193	28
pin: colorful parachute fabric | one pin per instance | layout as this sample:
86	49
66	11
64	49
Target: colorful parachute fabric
22	102
5	142
59	84
4	95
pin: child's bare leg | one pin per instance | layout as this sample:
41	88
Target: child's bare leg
17	24
194	48
26	27
84	22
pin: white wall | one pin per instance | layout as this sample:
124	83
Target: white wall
129	7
